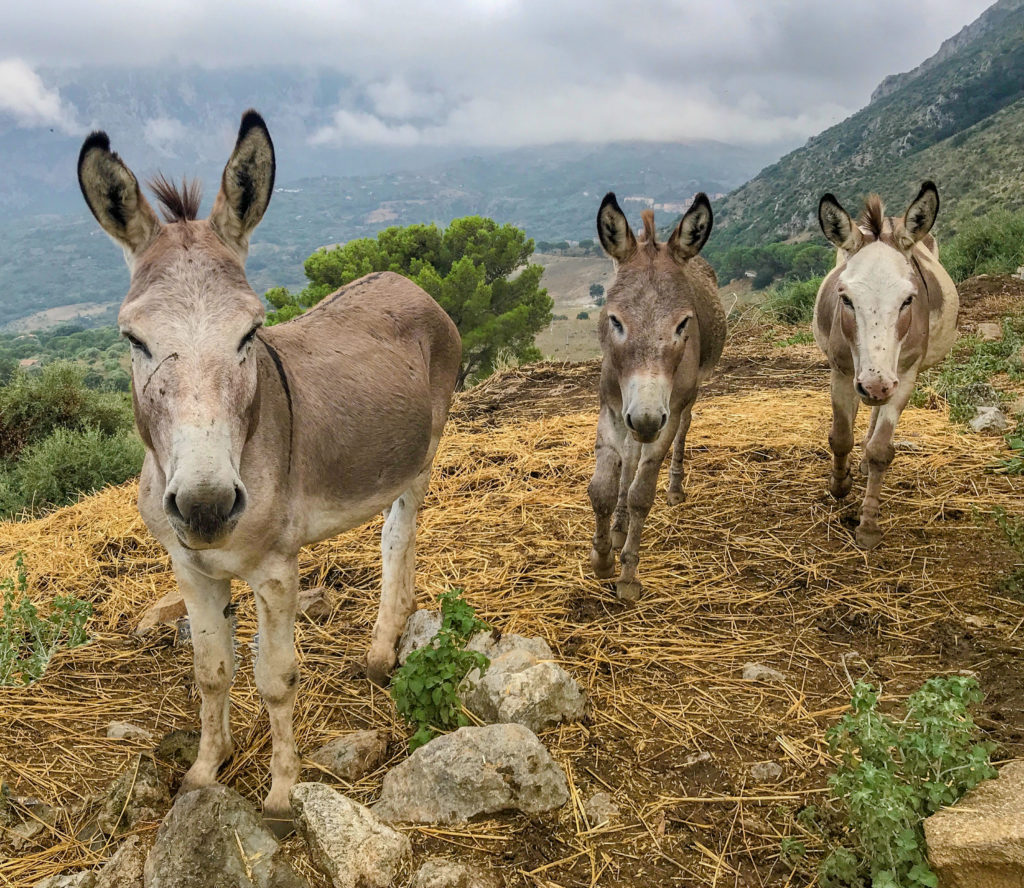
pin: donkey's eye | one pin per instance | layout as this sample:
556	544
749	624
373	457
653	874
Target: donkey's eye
682	326
907	301
138	345
248	338
846	300
616	323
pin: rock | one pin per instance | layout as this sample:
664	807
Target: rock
139	794
166	612
1016	407
455	777
766	772
315	604
760	672
518	687
125	868
979	841
493	648
420	628
600	809
989	421
83	879
179	749
990	332
347	842
213	838
437	873
37	820
353	756
127	731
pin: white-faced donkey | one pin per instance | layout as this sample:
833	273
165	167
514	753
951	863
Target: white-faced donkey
662	330
260	441
887	311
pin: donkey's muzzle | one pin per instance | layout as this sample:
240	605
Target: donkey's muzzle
204	513
646	426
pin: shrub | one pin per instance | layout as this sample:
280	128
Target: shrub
991	244
583	316
28	640
426	687
792	302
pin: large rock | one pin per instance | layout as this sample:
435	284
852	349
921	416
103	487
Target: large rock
347	842
438	873
83	879
125	868
353	756
474	771
138	795
979	841
989	421
518	687
213	838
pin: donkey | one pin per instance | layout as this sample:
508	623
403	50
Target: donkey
887	311
662	330
262	440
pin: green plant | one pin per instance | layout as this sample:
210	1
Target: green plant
792	302
583	316
27	639
426	687
1014	464
992	244
892	774
1013	530
803	337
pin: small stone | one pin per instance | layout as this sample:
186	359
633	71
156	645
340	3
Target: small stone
420	628
990	332
179	749
82	879
438	873
136	796
125	868
473	771
165	612
760	672
353	756
979	841
127	731
347	842
315	604
766	772
989	421
600	809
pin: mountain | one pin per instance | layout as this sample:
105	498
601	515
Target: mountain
956	118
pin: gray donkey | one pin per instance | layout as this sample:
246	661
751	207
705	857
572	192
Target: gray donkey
662	330
260	441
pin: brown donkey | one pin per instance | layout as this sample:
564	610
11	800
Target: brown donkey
260	441
662	330
887	311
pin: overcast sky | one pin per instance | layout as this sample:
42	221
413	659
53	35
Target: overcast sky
507	72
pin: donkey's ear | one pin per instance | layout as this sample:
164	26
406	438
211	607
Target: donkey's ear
113	194
613	230
920	215
246	186
837	225
693	229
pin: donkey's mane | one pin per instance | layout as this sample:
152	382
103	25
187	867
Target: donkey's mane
872	217
650	233
177	203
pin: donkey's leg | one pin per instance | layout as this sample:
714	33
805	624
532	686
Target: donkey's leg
207	602
398	580
675	472
639	500
277	677
844	411
879	453
630	448
864	447
604	492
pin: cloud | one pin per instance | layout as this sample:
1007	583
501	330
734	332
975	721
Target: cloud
165	134
24	96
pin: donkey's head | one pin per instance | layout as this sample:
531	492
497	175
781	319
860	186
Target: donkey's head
877	284
647	320
191	318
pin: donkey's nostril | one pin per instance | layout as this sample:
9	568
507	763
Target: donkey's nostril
239	504
664	419
171	507
629	422
863	392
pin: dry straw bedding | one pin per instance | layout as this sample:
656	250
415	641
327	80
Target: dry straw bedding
757	565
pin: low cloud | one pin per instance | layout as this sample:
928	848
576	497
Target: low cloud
25	97
165	135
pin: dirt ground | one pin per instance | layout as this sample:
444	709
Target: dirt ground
757	566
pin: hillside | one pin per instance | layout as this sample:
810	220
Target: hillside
956	119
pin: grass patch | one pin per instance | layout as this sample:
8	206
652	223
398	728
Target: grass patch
802	337
792	302
991	244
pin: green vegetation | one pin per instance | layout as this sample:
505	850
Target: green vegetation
788	262
27	639
803	337
583	316
962	380
479	272
426	687
990	244
792	302
1013	530
60	439
101	352
891	775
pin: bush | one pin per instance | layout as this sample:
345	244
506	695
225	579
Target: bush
991	244
583	316
792	302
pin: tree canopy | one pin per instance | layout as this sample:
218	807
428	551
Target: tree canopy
478	271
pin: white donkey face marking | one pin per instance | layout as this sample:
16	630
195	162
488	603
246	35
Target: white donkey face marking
877	291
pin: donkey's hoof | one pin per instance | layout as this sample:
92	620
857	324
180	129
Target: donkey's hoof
378	675
602	565
618	539
279	822
628	590
840	489
868	537
675	497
